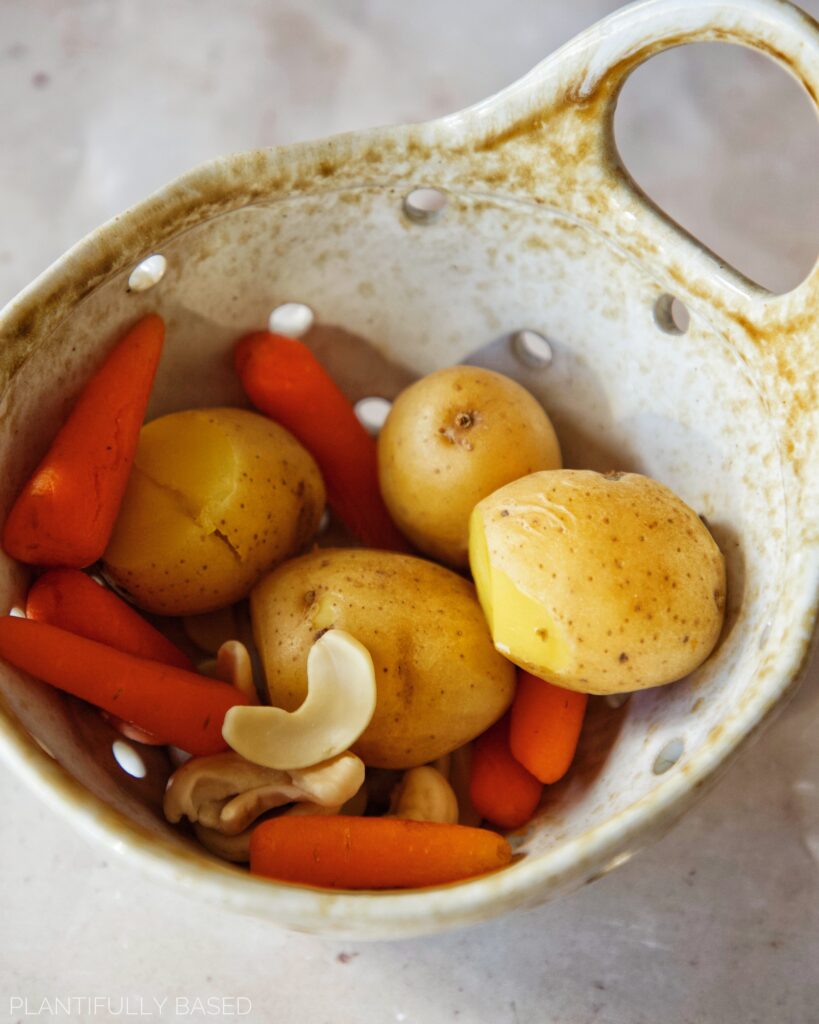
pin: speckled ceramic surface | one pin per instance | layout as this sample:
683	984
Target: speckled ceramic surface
542	229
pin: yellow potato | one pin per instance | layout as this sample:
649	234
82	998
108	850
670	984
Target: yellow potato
216	497
597	583
440	682
451	439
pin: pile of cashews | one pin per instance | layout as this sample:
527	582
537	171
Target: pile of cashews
299	762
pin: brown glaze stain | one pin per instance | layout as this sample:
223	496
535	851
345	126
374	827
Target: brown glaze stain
714	734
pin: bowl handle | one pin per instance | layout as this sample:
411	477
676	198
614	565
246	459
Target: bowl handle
573	94
776	28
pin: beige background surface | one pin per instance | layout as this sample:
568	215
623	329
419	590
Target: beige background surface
102	102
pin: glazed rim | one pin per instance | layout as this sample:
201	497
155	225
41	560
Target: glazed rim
626	39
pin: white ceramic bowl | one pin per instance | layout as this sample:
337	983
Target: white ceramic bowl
540	229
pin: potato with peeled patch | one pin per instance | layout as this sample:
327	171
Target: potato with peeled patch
215	498
451	439
598	583
439	680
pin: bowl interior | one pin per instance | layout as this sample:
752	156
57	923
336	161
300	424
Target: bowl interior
395	299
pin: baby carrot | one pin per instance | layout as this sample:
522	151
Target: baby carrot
185	708
343	852
500	788
71	600
66	511
285	381
545	726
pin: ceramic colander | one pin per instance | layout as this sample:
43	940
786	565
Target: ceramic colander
508	235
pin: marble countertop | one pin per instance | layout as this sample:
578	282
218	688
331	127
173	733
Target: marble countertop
718	922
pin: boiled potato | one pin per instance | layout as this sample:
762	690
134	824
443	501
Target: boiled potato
439	680
216	497
451	439
597	583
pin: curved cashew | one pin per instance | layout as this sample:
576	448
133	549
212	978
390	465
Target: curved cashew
332	782
226	793
237	848
338	707
355	806
425	795
232	665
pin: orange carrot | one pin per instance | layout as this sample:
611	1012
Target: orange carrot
71	600
500	788
285	381
343	852
186	708
66	511
546	724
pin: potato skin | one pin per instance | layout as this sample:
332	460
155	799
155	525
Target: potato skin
440	682
631	583
215	499
451	439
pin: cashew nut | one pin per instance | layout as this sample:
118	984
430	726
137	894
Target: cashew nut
355	806
232	665
237	848
338	707
424	795
226	793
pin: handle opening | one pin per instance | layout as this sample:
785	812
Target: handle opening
724	142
